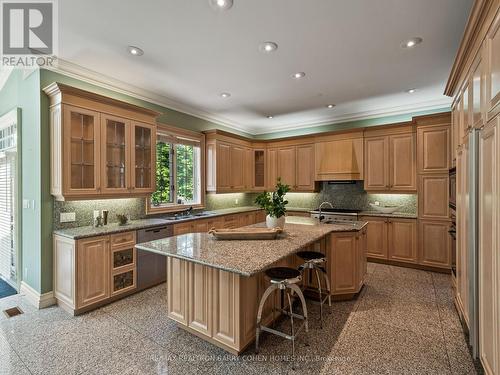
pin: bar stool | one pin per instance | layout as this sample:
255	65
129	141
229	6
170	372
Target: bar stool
314	261
284	279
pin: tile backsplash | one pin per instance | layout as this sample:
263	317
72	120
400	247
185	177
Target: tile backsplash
351	196
134	208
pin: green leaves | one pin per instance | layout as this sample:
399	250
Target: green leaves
274	203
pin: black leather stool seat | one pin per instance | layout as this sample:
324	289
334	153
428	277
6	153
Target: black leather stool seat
309	255
282	273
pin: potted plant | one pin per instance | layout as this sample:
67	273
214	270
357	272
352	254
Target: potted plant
274	204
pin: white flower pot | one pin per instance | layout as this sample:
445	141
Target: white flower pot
273	222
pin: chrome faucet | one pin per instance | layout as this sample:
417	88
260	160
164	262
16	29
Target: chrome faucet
321	217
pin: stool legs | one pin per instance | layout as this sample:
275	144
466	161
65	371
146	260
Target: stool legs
320	296
289	289
266	294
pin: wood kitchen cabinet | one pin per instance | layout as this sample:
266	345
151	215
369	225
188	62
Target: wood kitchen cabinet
390	159
433	142
402	240
100	147
434	243
489	257
230	164
377	237
93	271
433	200
294	164
339	157
393	239
347	262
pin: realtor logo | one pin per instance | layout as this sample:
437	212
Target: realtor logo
28	32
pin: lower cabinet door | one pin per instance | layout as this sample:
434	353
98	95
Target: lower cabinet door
344	263
403	240
376	234
434	243
92	271
226	312
177	298
200	304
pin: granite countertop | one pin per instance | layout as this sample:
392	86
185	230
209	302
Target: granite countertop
402	215
90	231
246	257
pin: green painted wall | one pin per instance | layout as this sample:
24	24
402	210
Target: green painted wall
24	93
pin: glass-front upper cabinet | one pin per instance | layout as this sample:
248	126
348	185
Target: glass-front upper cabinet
82	138
143	155
259	182
114	155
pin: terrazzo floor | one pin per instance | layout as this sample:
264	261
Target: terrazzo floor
403	322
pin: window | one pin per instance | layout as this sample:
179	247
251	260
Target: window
179	172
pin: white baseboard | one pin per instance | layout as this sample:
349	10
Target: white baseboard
40	301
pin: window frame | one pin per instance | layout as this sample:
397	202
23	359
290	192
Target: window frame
179	135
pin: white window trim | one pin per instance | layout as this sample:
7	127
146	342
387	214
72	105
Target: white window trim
182	136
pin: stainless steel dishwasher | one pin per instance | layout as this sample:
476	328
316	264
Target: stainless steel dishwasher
151	267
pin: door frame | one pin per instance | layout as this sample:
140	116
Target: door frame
14	115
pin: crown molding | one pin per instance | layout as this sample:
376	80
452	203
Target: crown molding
76	71
91	77
364	115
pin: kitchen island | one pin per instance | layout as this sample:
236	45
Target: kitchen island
214	287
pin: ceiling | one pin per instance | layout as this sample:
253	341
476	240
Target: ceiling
350	51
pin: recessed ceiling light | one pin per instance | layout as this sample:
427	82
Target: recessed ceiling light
135	51
411	91
410	43
269	117
225	95
299	75
330	106
267	47
221	4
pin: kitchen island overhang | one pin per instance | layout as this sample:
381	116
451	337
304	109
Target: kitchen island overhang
214	287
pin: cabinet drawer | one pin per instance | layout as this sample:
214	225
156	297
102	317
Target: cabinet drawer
123	239
123	258
123	282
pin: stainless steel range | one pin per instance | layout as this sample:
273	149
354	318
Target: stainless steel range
335	215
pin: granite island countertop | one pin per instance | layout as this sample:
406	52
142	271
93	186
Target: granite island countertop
246	257
91	231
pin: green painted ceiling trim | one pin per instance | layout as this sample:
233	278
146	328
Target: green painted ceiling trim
385	120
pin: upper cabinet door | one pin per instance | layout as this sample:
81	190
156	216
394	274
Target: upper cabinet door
377	163
259	168
286	166
115	156
272	168
305	168
81	151
143	157
237	168
493	69
433	149
403	162
223	166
